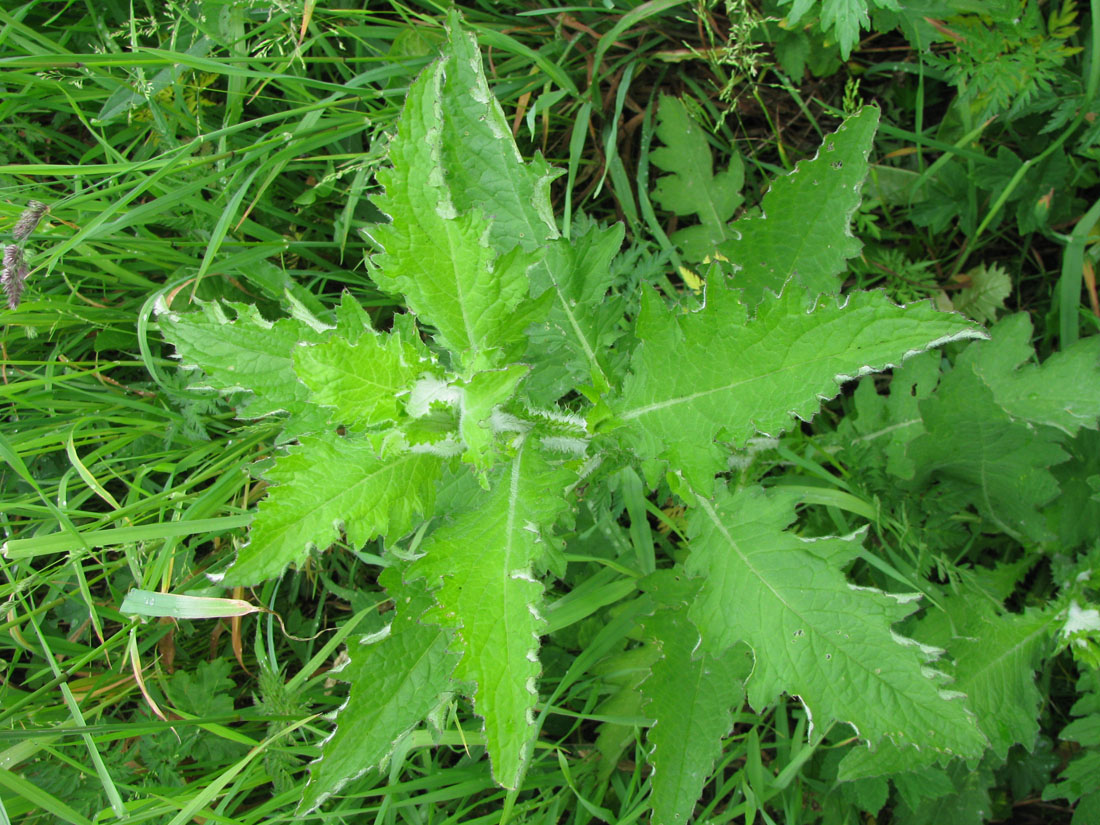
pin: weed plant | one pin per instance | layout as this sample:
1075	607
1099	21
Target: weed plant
225	160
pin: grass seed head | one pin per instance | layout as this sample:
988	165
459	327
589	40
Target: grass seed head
28	220
13	273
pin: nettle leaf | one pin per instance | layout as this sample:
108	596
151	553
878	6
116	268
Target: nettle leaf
692	188
479	565
717	373
803	230
814	636
439	260
328	483
247	353
691	693
398	677
363	381
1063	392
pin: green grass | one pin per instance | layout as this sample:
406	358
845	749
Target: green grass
224	149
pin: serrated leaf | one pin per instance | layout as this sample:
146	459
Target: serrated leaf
363	381
327	482
985	293
996	662
842	18
718	373
484	167
803	230
999	465
247	353
1062	392
691	693
967	803
883	425
692	188
397	677
439	260
480	395
577	339
486	173
479	566
813	635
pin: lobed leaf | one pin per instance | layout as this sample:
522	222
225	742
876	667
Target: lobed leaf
719	373
479	566
803	229
691	187
999	465
328	483
813	635
1062	392
397	677
362	381
247	353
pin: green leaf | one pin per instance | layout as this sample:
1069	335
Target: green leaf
1063	392
996	659
577	341
717	373
485	170
486	174
398	677
247	353
841	18
480	395
479	565
883	425
691	693
999	465
984	296
441	261
692	188
327	482
362	381
813	635
803	230
968	802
